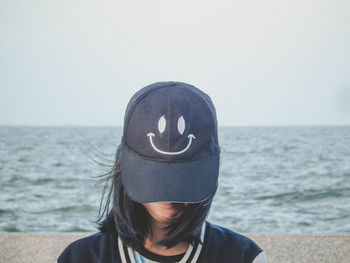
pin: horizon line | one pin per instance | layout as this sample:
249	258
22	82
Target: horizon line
223	126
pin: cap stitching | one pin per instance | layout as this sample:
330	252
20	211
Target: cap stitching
206	107
171	115
136	103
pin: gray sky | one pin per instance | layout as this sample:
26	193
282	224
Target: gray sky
262	62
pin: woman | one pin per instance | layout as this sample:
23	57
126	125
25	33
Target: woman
162	185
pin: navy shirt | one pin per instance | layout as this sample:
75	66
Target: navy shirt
219	245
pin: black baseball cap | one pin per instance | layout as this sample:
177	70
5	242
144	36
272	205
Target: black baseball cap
169	147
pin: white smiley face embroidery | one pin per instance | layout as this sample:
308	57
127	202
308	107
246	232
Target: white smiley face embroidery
180	128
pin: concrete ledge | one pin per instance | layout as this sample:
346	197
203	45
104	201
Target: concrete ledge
280	248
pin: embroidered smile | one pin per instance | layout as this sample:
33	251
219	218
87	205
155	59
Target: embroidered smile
180	128
190	136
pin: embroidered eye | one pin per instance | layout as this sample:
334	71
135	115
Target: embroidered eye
161	124
181	125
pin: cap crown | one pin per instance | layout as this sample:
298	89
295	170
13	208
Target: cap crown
171	121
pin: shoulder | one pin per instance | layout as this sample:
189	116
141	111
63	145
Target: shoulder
87	249
224	235
231	244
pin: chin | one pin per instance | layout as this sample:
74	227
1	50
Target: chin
164	212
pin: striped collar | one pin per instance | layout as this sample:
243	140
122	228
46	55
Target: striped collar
127	254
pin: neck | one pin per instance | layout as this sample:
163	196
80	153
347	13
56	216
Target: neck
158	234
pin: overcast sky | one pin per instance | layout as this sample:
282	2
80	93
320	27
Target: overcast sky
271	62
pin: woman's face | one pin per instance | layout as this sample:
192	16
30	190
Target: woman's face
163	212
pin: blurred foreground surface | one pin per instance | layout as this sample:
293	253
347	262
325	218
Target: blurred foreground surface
291	248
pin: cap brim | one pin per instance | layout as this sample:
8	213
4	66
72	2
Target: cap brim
148	181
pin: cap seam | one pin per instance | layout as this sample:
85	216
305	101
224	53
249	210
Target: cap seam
137	102
170	117
203	103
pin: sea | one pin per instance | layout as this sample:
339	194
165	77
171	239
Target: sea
293	179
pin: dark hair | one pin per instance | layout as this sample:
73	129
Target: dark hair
130	219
